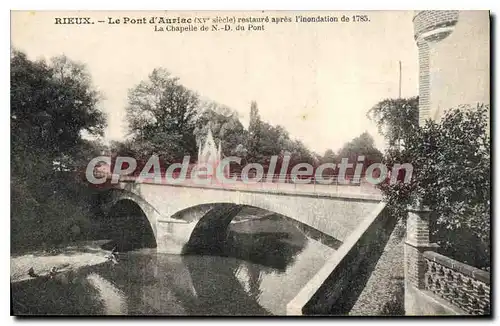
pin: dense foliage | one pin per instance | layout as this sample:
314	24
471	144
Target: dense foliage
451	174
167	119
161	116
395	118
51	105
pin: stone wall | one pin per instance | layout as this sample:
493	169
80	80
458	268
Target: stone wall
435	284
459	284
331	290
419	302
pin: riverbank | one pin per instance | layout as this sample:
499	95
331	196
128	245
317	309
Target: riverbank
383	293
64	259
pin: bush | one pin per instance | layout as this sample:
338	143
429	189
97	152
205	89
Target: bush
451	175
59	214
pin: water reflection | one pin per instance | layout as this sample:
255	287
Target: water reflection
268	241
265	263
112	298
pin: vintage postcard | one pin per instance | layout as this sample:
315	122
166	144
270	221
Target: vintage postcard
250	163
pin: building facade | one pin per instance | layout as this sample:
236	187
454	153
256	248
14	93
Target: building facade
454	56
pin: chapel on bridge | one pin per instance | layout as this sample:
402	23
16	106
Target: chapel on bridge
210	153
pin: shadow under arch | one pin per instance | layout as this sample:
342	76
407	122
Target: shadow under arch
249	233
128	227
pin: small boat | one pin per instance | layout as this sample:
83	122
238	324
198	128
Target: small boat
31	272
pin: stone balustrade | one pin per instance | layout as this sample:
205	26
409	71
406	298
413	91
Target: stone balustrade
459	284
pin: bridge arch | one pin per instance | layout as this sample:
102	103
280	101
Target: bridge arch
246	232
131	221
164	206
210	229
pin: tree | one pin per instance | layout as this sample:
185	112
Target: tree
452	159
161	115
254	130
329	157
363	145
300	153
395	118
451	175
52	104
265	140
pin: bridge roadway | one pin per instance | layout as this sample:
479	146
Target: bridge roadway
364	190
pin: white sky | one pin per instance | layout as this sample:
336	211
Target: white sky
317	80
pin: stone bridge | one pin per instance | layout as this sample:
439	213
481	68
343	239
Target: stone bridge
182	217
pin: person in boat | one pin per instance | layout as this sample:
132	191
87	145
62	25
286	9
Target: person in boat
113	256
31	272
53	272
114	253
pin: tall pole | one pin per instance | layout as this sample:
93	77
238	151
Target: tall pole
399	97
399	79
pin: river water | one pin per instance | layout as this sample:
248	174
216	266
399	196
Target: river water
265	263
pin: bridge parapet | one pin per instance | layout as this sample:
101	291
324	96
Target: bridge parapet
436	284
358	190
324	293
459	284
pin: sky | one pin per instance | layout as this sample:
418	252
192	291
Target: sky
317	80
